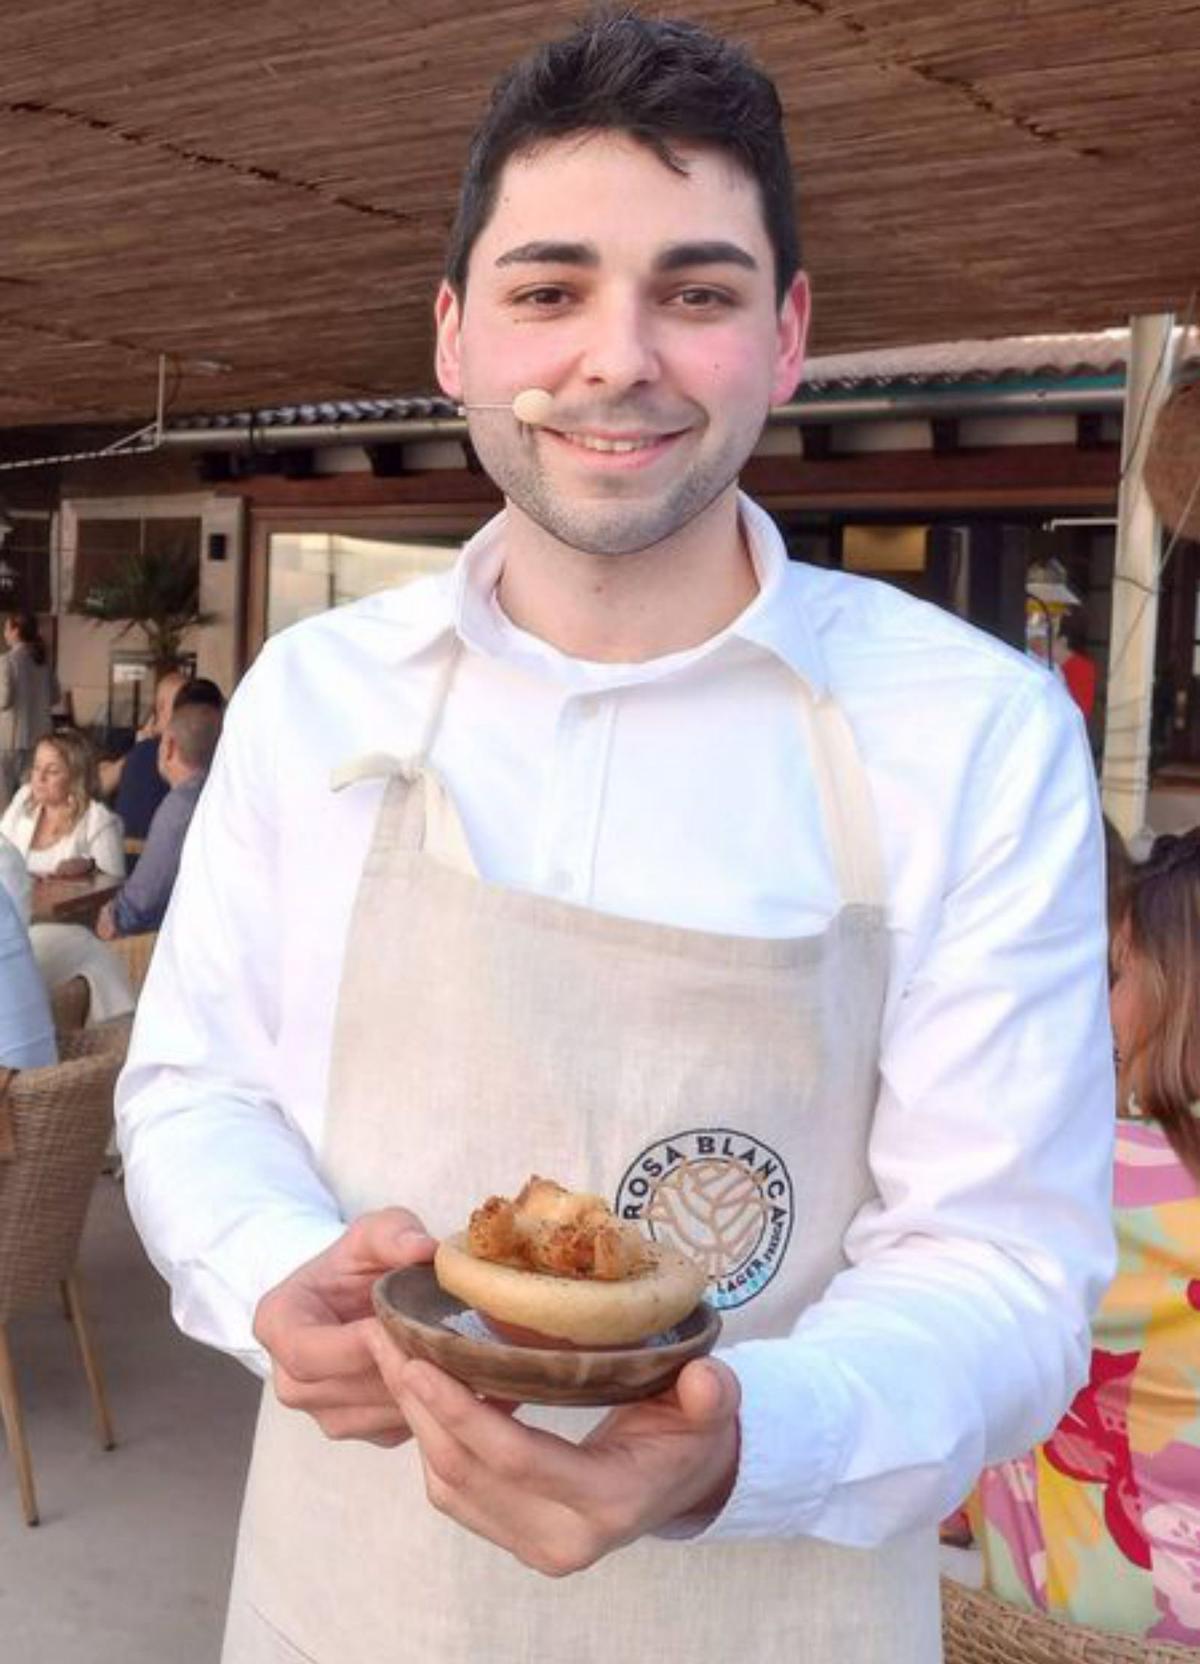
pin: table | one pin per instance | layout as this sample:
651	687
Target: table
72	900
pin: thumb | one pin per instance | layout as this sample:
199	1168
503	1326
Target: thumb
708	1392
385	1240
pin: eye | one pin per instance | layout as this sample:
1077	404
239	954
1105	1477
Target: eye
699	297
546	297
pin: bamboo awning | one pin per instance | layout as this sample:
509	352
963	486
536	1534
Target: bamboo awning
262	189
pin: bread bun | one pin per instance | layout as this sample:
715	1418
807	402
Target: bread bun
576	1310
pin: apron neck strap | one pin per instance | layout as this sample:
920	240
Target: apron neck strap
420	814
437	704
844	793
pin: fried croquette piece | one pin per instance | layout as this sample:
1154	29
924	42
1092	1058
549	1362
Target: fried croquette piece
557	1231
493	1234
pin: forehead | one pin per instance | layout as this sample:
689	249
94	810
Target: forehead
609	190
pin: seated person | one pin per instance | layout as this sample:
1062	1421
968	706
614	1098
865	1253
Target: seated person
65	951
56	821
139	786
1101	1524
26	1027
185	753
14	877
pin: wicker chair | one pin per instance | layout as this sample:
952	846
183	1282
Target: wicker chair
59	1120
135	953
978	1628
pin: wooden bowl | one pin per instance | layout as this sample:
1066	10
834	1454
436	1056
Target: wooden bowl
426	1322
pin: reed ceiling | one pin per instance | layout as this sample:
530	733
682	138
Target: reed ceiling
262	189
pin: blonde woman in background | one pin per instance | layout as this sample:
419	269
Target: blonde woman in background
28	691
56	821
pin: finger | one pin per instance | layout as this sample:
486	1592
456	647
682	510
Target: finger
456	1429
312	1349
381	1241
381	1425
708	1392
332	1392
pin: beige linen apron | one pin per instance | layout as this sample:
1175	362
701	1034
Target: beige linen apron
719	1089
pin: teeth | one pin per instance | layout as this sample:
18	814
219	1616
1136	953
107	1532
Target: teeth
616	447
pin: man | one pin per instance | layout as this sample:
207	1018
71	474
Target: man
185	754
135	778
133	781
763	900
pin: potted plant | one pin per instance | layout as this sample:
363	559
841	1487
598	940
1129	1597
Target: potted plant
156	591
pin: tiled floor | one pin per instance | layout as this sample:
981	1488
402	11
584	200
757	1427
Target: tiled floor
131	1560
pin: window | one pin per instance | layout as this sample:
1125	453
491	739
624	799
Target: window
104	545
309	572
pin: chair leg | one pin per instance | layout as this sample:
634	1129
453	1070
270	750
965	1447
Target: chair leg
14	1429
91	1363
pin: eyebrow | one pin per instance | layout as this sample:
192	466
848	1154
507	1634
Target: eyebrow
678	257
682	255
550	254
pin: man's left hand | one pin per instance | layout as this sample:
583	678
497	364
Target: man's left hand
556	1506
105	926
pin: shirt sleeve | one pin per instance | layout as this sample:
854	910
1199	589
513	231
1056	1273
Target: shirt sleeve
11	817
26	1027
14	876
142	900
220	1183
959	1330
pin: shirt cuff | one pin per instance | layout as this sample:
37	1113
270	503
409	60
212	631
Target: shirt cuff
796	1433
215	1302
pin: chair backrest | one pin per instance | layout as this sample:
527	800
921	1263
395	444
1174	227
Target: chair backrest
69	1003
135	953
61	1117
978	1628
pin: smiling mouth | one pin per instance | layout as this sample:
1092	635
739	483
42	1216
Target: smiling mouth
612	447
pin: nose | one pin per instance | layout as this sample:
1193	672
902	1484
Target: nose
620	352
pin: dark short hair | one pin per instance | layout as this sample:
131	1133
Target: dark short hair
27	631
196	729
199	691
664	83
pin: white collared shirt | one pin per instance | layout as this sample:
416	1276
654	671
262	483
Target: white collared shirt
679	791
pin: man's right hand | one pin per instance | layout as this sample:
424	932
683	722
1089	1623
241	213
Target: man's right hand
316	1322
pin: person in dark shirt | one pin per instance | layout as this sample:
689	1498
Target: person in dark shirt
185	753
140	788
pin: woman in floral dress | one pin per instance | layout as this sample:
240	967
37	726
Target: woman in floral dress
1101	1524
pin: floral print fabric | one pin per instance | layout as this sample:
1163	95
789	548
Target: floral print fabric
1101	1524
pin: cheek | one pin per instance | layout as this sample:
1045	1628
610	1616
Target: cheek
732	368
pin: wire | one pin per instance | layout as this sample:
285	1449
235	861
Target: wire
128	445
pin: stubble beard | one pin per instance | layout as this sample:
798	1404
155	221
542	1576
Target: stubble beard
624	525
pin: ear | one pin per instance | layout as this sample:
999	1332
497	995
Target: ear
792	338
447	313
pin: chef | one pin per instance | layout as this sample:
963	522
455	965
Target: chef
763	900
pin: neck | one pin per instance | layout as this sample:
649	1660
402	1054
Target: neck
624	609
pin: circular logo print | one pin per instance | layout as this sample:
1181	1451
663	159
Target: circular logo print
721	1197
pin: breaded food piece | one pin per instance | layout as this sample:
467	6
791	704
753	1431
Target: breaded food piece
554	1230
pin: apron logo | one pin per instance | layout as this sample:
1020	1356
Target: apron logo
721	1197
